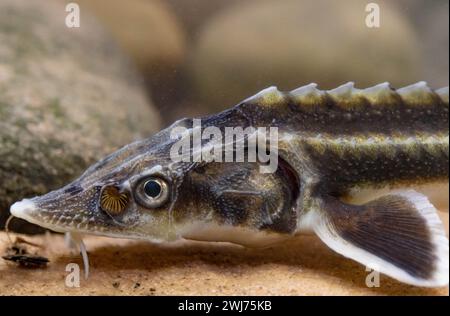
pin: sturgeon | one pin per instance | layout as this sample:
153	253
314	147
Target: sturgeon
331	146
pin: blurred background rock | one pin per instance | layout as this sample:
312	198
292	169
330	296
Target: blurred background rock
430	20
151	34
68	97
202	56
291	43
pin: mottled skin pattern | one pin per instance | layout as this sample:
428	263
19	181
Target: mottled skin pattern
346	140
330	143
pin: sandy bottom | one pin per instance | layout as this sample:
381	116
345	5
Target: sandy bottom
301	266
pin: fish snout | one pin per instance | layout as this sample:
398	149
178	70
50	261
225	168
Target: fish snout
23	209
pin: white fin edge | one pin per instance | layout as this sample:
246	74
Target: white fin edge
317	222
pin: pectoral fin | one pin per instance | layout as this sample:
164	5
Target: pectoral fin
399	235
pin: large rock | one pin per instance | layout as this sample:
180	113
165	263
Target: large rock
430	20
67	98
289	43
149	32
146	29
193	14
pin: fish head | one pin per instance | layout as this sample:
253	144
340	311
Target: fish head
127	194
142	192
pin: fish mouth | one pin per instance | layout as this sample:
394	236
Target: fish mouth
27	210
59	221
42	211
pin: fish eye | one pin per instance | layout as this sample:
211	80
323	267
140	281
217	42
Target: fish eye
152	192
152	188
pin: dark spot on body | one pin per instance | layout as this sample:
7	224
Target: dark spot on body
73	190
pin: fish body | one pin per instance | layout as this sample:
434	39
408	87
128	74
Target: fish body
329	146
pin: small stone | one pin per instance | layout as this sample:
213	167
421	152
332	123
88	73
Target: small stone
256	44
69	97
